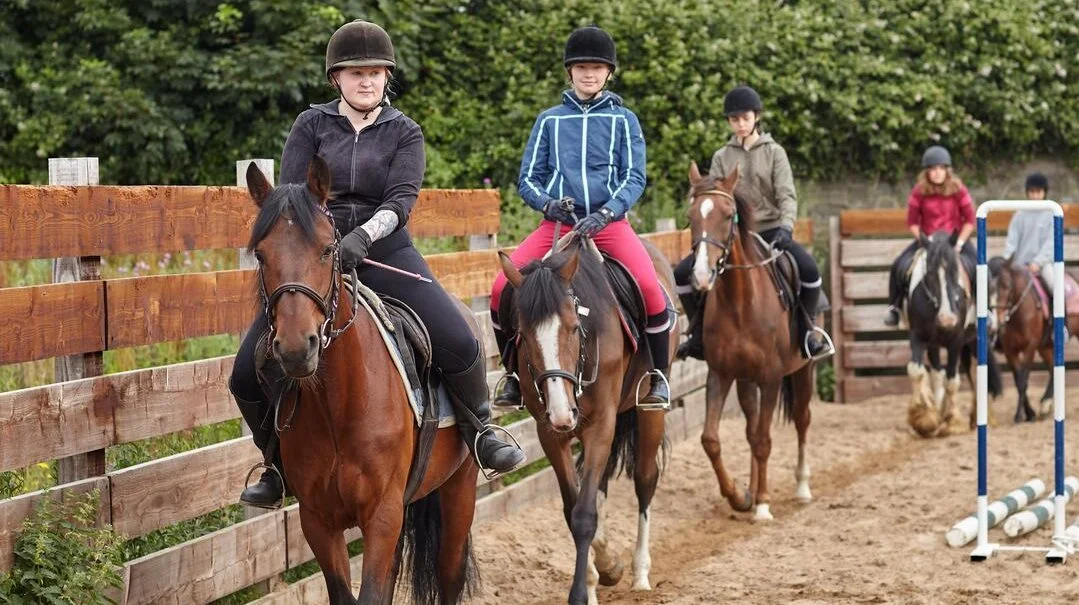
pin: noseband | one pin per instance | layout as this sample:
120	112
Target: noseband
577	379
327	304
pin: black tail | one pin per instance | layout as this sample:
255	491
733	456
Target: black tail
422	539
995	380
786	398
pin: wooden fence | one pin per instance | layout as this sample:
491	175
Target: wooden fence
871	358
78	419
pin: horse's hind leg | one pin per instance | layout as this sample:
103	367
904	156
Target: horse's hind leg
715	398
457	503
762	448
803	393
1045	404
650	433
332	556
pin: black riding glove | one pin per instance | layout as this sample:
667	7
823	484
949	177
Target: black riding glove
782	239
560	211
592	224
354	247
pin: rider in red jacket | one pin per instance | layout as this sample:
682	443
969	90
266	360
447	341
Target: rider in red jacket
938	202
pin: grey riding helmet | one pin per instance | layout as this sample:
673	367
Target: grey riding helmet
936	156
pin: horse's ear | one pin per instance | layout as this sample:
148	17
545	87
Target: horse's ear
569	269
318	179
257	185
510	270
694	173
732	179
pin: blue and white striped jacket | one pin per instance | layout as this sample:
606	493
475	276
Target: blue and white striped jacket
593	153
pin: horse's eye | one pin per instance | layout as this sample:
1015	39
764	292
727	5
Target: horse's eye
258	256
327	252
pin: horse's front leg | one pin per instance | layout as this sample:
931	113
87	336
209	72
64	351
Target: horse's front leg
951	422
922	411
584	519
381	524
1020	363
331	553
936	375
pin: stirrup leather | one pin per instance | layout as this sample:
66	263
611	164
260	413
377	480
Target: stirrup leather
653	406
491	475
247	483
829	348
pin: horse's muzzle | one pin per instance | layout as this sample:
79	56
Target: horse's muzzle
298	362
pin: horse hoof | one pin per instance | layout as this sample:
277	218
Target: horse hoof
747	503
642	585
612	576
802	495
763	514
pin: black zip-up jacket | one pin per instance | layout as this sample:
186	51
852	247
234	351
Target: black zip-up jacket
379	168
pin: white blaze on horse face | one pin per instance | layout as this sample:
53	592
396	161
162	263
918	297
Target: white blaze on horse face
946	316
707	205
702	272
559	409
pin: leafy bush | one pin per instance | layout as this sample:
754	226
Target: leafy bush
61	558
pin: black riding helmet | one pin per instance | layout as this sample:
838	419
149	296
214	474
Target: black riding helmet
740	100
590	45
936	156
1037	180
359	44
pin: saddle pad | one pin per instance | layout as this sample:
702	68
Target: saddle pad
1071	296
631	310
415	392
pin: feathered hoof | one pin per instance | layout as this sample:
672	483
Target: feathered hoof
612	576
952	425
923	420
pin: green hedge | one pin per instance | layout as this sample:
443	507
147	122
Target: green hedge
171	92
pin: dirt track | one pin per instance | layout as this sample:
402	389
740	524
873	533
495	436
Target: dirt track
873	534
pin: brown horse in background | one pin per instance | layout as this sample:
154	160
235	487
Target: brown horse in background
747	338
1023	332
349	433
578	377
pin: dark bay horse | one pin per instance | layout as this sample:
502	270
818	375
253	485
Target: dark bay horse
1023	332
578	377
941	313
351	433
747	338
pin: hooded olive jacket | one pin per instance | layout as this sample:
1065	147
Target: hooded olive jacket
764	180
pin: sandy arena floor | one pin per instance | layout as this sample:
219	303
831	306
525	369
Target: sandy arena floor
873	534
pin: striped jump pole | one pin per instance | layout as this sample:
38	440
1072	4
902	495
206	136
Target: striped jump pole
966	530
1061	547
1036	516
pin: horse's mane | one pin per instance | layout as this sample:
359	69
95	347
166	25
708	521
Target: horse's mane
747	223
291	201
542	293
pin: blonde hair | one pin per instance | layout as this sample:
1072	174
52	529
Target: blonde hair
951	185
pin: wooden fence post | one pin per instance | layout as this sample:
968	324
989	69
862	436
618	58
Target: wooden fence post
835	267
77	171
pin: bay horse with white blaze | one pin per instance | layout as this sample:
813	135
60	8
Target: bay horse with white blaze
747	338
579	376
350	434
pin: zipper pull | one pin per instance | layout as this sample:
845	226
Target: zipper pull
357	139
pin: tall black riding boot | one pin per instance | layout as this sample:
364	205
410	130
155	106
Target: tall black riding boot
659	391
508	394
269	490
814	347
693	346
468	390
894	300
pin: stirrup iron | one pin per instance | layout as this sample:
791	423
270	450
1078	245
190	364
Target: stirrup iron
247	483
649	407
829	348
498	386
491	475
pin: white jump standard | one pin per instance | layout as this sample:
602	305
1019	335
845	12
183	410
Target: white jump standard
1062	544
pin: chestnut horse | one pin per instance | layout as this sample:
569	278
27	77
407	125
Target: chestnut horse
747	338
1023	332
578	379
348	435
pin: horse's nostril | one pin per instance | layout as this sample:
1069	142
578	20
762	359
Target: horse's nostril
312	342
277	346
575	414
